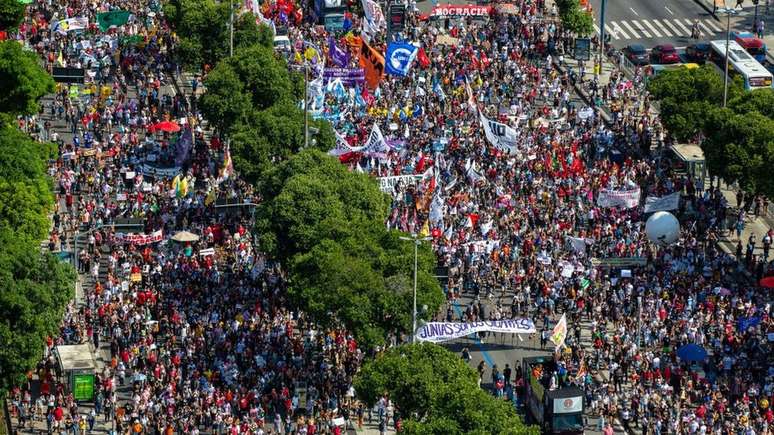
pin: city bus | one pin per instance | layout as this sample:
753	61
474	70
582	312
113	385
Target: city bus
740	63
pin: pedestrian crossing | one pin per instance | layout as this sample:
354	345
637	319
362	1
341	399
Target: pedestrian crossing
658	28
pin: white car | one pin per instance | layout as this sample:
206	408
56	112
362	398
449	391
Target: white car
282	43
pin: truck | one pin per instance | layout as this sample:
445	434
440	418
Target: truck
330	13
558	411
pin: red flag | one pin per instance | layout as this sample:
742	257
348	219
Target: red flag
472	220
424	61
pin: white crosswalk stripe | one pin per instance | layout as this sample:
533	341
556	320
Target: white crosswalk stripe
640	28
619	31
657	28
631	30
686	31
652	29
714	25
664	30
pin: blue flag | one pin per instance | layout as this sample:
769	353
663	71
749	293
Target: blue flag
399	58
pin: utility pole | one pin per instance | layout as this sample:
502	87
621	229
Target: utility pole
601	35
728	13
417	241
231	30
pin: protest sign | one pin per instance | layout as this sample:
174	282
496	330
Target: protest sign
664	203
438	332
387	184
348	76
619	198
153	171
139	239
447	11
64	26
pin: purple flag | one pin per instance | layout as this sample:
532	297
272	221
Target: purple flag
339	56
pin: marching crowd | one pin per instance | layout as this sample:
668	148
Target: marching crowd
199	332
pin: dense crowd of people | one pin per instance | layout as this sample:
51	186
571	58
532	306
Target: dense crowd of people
200	335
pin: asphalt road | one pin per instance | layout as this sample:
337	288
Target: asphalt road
653	22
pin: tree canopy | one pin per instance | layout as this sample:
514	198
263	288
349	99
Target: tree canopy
11	14
22	80
436	393
574	18
738	141
202	27
328	224
36	287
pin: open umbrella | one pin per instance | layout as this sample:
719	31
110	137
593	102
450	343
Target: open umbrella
168	126
185	236
692	352
767	282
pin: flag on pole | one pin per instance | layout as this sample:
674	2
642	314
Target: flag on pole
559	334
107	20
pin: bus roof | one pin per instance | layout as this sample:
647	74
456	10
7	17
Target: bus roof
739	57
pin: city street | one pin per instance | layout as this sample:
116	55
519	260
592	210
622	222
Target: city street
667	21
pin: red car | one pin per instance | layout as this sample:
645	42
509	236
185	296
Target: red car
664	54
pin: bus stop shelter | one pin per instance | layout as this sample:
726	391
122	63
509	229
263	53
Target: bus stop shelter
692	157
78	367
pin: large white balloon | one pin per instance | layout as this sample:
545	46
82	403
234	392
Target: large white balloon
662	228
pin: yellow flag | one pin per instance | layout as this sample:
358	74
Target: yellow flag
425	230
60	59
310	53
297	57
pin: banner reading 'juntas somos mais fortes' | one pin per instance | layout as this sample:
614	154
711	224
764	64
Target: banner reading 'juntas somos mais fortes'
437	332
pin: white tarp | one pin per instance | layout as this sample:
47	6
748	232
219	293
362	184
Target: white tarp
438	332
664	203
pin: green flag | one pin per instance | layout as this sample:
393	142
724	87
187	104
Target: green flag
113	18
130	40
25	2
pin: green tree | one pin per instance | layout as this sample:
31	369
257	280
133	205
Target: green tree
35	287
574	18
202	27
22	80
436	392
225	101
740	148
11	14
312	197
687	96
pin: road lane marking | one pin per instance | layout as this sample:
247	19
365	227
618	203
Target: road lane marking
712	24
686	31
635	12
669	10
641	29
707	29
674	28
619	30
652	29
663	29
635	35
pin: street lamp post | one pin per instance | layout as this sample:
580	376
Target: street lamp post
417	241
231	30
601	34
728	12
306	105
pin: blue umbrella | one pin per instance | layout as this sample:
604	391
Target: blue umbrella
692	352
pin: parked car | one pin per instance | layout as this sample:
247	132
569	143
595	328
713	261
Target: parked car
664	54
636	54
698	53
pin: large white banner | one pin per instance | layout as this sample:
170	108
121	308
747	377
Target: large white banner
139	239
664	203
438	332
376	146
500	135
619	198
64	26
